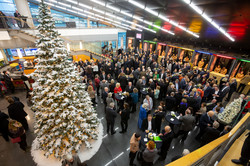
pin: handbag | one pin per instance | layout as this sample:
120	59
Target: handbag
139	156
16	140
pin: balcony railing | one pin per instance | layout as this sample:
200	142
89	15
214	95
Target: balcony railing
10	22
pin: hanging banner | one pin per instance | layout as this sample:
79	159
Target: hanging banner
122	40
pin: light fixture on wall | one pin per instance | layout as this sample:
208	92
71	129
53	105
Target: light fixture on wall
1	55
20	55
68	47
80	45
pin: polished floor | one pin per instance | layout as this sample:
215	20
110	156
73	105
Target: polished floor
113	151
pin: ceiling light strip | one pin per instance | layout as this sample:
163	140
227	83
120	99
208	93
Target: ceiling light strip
160	16
72	1
201	13
133	16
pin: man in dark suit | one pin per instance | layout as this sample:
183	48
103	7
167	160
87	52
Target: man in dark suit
123	81
166	138
16	112
129	88
183	83
224	92
245	152
163	75
207	92
188	123
110	118
191	100
170	102
4	125
103	76
211	105
189	87
233	88
104	96
211	133
9	81
205	121
148	124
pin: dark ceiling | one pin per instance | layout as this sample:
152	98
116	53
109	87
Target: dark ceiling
232	15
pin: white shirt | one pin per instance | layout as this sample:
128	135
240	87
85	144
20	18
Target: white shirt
149	125
216	92
95	68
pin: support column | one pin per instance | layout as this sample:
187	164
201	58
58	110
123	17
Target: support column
88	24
23	8
2	53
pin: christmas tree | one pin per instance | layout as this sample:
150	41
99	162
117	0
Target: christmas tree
64	117
231	111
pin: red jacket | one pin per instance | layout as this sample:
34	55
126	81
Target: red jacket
97	82
117	90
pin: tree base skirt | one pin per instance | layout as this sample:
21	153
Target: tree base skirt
84	153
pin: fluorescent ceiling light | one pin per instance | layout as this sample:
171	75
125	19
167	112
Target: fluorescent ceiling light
149	29
85	6
156	26
53	1
98	10
108	19
64	4
127	14
137	18
148	22
98	2
119	18
63	8
187	1
199	11
167	31
76	8
97	15
119	11
151	11
50	4
85	11
113	8
110	14
206	17
73	11
164	18
215	25
137	4
71	1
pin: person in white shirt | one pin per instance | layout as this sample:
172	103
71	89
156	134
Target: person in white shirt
149	101
148	124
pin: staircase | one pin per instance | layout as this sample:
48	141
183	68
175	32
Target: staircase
22	34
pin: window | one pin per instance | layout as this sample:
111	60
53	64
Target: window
61	18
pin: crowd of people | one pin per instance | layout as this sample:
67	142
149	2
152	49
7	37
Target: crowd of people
143	84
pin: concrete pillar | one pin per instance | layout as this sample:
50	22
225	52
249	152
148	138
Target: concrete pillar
88	24
4	57
23	8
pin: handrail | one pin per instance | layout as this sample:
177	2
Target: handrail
196	155
56	19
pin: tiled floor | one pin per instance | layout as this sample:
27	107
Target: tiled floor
112	146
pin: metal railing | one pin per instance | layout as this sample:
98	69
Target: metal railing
214	151
10	22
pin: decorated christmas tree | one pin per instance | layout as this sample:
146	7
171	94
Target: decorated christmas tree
64	117
231	111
